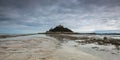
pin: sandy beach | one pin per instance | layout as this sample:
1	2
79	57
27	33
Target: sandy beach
41	47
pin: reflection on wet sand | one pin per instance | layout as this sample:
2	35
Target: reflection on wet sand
67	52
106	41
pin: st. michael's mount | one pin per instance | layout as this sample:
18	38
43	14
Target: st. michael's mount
59	29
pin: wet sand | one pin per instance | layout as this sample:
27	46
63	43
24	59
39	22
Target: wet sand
70	53
40	48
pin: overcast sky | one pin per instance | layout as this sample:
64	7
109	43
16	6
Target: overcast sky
32	16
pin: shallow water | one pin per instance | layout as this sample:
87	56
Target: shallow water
58	47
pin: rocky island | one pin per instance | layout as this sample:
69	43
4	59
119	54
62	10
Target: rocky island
59	29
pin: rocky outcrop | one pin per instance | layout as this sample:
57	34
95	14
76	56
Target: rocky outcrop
59	29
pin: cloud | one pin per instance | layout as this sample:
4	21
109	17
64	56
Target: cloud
79	15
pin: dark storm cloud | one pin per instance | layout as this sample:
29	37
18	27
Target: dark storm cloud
44	14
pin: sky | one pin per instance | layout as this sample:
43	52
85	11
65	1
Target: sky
33	16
